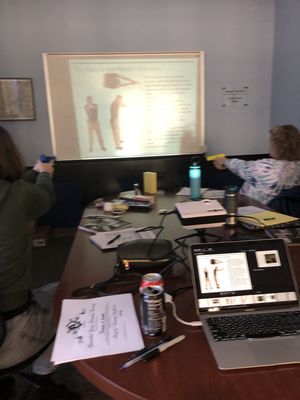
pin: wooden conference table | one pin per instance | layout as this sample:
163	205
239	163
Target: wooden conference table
187	371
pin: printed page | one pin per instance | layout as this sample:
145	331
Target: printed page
186	191
102	224
97	327
111	240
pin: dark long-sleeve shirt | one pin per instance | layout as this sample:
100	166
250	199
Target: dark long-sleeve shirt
21	201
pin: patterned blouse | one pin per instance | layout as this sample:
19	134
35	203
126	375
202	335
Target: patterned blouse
265	178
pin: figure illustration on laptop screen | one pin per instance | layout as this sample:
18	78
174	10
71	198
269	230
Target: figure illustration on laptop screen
217	268
214	274
206	279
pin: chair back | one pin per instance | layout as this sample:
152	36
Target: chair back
2	330
15	369
287	202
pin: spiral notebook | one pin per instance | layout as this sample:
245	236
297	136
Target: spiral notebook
267	219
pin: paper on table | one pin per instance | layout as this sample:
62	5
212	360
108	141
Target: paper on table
247	210
102	239
102	224
205	193
186	191
213	194
96	327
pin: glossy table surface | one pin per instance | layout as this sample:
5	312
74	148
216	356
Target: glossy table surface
187	371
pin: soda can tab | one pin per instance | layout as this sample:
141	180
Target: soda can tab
152	279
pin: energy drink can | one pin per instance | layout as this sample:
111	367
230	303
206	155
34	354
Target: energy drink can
152	310
152	279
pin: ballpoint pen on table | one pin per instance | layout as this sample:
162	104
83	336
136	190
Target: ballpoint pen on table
152	352
114	239
151	346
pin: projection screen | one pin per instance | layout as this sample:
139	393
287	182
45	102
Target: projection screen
123	105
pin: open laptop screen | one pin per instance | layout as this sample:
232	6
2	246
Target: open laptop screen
242	274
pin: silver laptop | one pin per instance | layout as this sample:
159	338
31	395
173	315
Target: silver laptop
252	279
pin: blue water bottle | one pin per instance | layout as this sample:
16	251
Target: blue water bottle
195	179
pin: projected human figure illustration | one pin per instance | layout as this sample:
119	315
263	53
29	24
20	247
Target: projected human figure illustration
93	123
114	120
113	80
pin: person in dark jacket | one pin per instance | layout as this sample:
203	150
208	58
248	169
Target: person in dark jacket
24	196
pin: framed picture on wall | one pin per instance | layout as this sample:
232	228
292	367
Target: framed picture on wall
16	99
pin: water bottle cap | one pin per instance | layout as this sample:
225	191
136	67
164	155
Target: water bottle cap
195	161
231	189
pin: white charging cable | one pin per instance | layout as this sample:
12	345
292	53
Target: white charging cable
169	299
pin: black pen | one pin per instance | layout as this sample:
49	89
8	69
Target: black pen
153	352
268	219
113	239
151	346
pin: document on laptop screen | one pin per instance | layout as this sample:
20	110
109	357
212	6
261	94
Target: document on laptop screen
224	272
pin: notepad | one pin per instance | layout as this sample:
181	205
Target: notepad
267	219
111	240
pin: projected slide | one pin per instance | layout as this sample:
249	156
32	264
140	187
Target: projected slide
125	105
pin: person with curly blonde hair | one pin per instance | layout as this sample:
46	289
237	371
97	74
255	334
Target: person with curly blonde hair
265	178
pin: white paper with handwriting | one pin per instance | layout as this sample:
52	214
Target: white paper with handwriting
111	240
96	327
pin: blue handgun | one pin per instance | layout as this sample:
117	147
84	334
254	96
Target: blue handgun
46	159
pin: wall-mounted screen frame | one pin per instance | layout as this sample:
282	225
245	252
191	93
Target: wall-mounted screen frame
124	105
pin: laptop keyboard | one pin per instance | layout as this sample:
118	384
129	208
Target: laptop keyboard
238	327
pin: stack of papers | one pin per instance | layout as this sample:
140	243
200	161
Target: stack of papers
97	327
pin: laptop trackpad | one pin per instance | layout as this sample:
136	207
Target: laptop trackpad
279	350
